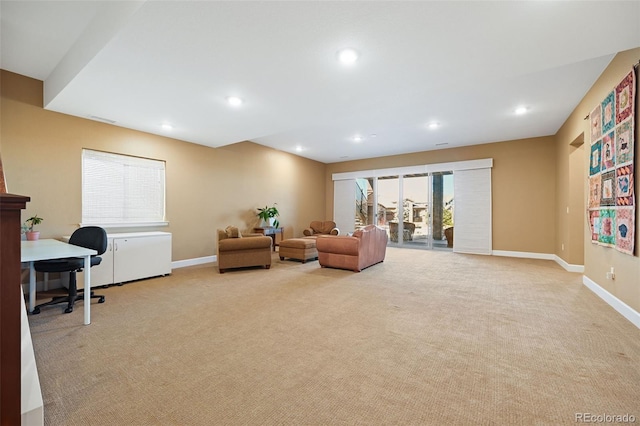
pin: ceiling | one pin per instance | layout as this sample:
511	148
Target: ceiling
465	65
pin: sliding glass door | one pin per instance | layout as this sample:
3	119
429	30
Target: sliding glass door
417	205
442	196
415	209
416	214
386	198
365	212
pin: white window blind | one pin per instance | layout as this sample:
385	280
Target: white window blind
344	205
472	213
121	190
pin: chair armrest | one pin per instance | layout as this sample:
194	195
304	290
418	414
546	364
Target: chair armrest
231	244
335	231
307	232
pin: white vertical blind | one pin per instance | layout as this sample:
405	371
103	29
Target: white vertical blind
472	212
344	205
122	190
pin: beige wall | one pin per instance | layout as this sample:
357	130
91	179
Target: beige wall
597	260
523	187
207	188
533	180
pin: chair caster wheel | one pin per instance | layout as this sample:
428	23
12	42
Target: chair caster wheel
68	310
101	300
35	311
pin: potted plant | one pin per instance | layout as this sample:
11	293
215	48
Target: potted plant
30	223
269	214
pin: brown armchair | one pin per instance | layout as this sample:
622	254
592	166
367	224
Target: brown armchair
366	247
237	251
319	227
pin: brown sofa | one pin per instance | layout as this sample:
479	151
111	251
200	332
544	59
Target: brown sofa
321	227
366	247
237	251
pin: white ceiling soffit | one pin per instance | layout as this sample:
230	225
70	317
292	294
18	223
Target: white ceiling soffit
465	65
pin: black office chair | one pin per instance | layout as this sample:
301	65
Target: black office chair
91	237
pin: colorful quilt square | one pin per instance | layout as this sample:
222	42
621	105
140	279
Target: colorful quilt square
596	123
625	226
624	142
608	152
594	222
608	188
624	185
624	98
607	234
596	158
608	113
595	191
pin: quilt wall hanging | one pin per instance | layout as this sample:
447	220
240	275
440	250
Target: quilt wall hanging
612	203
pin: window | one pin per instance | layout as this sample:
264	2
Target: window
121	190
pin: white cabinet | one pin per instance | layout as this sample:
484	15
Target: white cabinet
136	256
130	256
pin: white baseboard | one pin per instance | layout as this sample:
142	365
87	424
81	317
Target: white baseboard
569	267
545	256
193	262
523	254
617	304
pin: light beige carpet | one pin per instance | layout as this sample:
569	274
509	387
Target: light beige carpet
426	338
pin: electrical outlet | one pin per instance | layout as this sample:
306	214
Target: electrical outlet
611	275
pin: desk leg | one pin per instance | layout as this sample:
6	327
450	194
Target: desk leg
87	290
32	287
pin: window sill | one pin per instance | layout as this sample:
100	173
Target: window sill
126	225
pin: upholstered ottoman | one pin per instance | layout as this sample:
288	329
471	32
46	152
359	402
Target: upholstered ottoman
298	248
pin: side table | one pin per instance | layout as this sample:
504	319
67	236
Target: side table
271	231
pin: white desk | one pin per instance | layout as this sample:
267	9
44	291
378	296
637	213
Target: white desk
33	251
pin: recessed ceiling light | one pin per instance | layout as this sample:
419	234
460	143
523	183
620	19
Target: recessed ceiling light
434	125
521	110
298	148
167	126
357	138
348	56
373	135
234	101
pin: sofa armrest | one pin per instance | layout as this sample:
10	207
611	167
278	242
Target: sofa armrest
334	231
308	232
